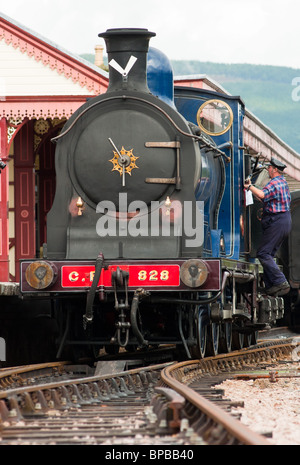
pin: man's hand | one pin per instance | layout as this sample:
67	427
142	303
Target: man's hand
247	183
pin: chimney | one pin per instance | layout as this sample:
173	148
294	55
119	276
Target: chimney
127	50
99	55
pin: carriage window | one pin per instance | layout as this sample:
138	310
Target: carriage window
215	117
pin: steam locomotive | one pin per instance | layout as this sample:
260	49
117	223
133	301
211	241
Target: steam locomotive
149	239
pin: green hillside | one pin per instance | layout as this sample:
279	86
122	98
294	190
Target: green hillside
266	91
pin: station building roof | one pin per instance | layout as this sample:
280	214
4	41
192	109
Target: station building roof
39	79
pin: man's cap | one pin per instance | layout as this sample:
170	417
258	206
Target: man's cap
277	164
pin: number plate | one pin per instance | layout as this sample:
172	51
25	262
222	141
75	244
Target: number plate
139	275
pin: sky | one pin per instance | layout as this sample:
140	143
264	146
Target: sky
263	32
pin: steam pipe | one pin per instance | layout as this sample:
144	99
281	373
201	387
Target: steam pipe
133	317
88	317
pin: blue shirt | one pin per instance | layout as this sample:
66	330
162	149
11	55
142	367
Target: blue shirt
277	195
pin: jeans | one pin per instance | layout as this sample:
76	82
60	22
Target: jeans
276	227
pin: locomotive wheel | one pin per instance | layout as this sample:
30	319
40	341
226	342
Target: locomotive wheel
247	340
198	351
254	336
250	339
213	332
225	341
240	338
237	340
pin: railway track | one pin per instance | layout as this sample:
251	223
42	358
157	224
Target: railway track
172	404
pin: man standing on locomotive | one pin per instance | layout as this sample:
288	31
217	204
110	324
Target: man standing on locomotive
276	224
